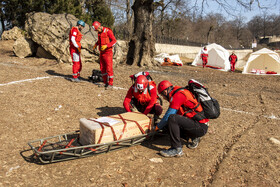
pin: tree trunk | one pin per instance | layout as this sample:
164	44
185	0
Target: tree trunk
142	46
129	16
82	3
2	24
208	33
161	21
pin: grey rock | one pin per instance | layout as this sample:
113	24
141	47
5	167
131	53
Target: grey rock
24	47
12	34
51	32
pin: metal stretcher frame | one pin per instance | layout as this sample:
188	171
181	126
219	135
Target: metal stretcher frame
66	147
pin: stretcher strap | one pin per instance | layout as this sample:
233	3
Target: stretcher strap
101	135
102	126
68	145
92	149
141	129
150	125
41	146
123	126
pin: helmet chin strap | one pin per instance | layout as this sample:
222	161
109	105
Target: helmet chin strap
169	89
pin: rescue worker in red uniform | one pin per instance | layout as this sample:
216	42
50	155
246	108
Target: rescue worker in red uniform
106	42
233	60
143	96
75	37
204	56
184	117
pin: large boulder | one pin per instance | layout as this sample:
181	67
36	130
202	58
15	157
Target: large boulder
12	34
42	53
52	33
24	47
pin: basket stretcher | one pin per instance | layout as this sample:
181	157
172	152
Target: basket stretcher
67	146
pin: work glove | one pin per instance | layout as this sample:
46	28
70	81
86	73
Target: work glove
155	128
103	47
94	47
79	49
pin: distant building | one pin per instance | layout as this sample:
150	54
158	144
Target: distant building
272	42
269	39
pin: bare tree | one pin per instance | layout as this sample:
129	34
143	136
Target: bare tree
275	21
238	25
261	25
129	16
167	14
142	45
82	3
161	5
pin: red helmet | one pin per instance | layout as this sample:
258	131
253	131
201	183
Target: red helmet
141	82
96	25
163	85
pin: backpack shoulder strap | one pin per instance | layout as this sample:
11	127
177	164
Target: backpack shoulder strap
187	109
179	89
149	89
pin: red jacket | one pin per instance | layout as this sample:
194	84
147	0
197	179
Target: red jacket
187	106
146	98
232	58
106	37
204	54
78	36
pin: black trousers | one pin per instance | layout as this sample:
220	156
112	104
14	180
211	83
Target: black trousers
157	108
182	126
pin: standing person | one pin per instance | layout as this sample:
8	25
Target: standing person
75	37
143	96
106	41
204	56
233	60
184	116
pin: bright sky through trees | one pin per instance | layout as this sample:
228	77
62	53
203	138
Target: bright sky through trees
232	9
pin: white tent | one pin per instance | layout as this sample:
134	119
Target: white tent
218	57
262	61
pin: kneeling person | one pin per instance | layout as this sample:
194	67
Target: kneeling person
183	117
143	96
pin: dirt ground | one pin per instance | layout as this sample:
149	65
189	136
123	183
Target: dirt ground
236	151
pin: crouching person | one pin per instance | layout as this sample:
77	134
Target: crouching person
183	117
142	96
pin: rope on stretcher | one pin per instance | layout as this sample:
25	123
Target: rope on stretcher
112	129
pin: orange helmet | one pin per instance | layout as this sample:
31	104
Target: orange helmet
96	25
141	83
163	85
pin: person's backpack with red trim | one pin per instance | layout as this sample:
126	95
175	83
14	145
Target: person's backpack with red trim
146	74
210	105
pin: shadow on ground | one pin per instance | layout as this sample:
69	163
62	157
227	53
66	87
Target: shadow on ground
108	111
67	77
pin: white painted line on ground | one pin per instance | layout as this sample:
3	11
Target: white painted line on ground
119	88
25	80
250	113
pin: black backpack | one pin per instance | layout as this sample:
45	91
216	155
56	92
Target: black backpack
210	105
96	76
